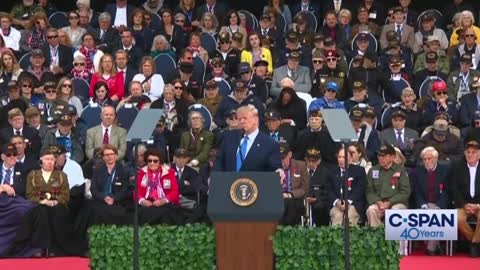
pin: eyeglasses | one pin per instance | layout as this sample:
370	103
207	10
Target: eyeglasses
50	91
52	37
217	66
178	87
67	85
11	155
179	21
331	59
153	161
469	35
331	90
73	18
224	41
440	93
232	118
317	61
79	64
27	85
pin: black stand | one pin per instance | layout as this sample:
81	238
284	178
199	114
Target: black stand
346	221
136	236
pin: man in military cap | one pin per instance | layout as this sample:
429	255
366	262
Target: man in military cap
388	186
319	186
37	71
186	177
23	11
317	42
332	72
64	136
300	75
13	173
427	28
51	107
255	83
329	44
239	97
363	24
70	167
431	69
362	43
294	187
360	96
232	123
315	136
366	133
277	130
292	44
229	55
217	71
329	100
459	81
433	46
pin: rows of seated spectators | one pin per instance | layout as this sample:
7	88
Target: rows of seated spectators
72	83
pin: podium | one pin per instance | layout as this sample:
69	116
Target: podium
245	208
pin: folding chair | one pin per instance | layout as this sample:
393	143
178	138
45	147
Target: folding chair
126	115
81	89
208	43
58	19
91	115
164	65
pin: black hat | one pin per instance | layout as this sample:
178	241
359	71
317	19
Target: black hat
50	85
216	61
272	115
362	37
431	57
211	84
300	19
399	113
294	55
72	110
386	149
37	52
240	85
261	63
358	85
9	149
224	36
231	113
292	37
356	114
57	149
180	152
237	36
313	153
329	41
395	60
244	67
473	144
318	37
466	57
65	120
284	148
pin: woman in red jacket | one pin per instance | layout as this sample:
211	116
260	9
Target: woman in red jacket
107	72
158	193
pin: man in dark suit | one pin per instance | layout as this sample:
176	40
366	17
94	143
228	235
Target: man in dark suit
318	188
29	162
248	149
307	6
278	131
186	178
356	188
106	36
212	6
58	58
398	135
12	173
295	186
430	186
267	29
135	54
469	104
120	12
17	121
464	183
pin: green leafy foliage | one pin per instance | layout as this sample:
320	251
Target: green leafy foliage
190	247
322	248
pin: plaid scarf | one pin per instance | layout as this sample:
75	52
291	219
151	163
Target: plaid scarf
84	74
88	62
37	40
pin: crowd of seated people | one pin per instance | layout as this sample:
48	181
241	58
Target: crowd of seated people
408	79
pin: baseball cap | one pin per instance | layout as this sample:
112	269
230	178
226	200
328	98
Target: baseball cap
216	61
331	53
243	67
313	153
329	41
180	152
473	144
440	127
9	149
318	37
399	113
211	84
362	37
240	85
284	148
224	37
37	52
358	85
432	38
65	120
362	9
395	60
292	37
272	115
261	63
315	113
356	114
386	149
467	58
237	36
57	149
427	17
439	86
331	86
72	110
294	55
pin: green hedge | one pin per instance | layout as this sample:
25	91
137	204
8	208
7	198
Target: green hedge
161	247
322	248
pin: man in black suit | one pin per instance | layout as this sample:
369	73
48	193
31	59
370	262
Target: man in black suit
125	68
356	188
430	186
29	162
319	187
278	131
135	54
464	183
105	35
17	121
336	6
12	173
58	58
267	29
307	6
120	12
212	6
186	178
469	104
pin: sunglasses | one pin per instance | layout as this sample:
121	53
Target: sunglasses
52	37
469	35
217	66
331	90
11	155
153	161
178	87
67	85
73	18
440	93
79	64
317	61
224	42
331	59
27	85
50	91
179	21
232	118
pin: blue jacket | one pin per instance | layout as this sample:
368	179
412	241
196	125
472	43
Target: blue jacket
322	103
432	108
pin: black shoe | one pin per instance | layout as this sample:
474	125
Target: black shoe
474	250
431	252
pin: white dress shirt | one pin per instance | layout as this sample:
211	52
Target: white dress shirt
473	174
251	139
109	132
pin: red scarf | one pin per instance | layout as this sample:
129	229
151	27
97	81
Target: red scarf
84	74
86	52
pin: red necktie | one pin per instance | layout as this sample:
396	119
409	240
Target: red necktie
105	137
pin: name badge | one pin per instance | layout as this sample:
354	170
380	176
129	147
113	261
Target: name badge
296	175
167	184
128	105
372	15
375	174
454	79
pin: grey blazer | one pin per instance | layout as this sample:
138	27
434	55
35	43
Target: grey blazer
118	138
389	136
408	36
302	80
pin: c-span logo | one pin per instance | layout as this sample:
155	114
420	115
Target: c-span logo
417	224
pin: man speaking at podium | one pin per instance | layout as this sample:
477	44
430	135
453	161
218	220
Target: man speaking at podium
247	149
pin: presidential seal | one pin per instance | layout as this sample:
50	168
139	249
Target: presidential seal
243	192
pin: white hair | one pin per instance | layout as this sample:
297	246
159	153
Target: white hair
431	150
287	82
469	14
